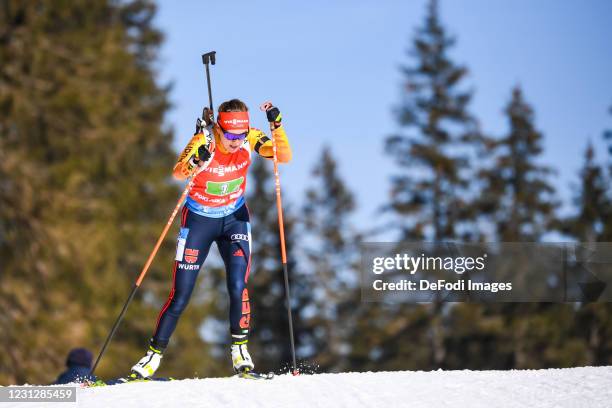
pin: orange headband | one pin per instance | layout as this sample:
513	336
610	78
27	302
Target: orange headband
233	120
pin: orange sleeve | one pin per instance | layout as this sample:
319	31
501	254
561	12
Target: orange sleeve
262	144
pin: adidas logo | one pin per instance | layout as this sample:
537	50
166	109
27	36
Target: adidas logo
239	252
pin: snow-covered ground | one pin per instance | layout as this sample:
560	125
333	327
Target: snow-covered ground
572	387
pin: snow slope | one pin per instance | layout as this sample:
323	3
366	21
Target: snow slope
572	387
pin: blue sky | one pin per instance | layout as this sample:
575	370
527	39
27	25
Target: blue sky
332	67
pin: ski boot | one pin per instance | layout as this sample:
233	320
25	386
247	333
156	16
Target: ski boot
243	364
147	365
241	359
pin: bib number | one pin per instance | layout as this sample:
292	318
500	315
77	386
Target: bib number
222	188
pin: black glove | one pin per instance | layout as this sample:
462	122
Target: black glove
274	116
203	154
205	149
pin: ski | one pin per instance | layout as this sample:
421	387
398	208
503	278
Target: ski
125	380
253	375
247	375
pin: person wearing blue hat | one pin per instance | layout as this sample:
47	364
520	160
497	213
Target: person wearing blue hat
78	365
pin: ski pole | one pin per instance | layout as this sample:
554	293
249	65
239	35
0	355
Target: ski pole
146	267
281	228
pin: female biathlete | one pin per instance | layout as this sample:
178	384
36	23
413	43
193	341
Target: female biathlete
215	211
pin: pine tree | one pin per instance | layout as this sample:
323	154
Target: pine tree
430	195
331	249
519	202
590	224
593	202
519	197
85	186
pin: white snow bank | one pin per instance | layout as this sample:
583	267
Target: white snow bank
571	387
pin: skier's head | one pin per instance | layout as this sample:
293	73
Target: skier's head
233	124
79	357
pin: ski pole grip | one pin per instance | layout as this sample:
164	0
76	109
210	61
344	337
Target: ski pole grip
265	106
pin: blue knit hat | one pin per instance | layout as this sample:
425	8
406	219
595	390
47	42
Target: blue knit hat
79	356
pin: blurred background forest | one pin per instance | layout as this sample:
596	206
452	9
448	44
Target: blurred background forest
85	187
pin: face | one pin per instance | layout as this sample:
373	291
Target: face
233	145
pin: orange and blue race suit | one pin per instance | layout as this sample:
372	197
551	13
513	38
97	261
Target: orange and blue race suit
215	211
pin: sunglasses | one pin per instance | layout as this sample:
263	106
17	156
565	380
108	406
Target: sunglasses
234	136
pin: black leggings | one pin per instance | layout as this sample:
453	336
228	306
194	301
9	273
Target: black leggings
232	234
